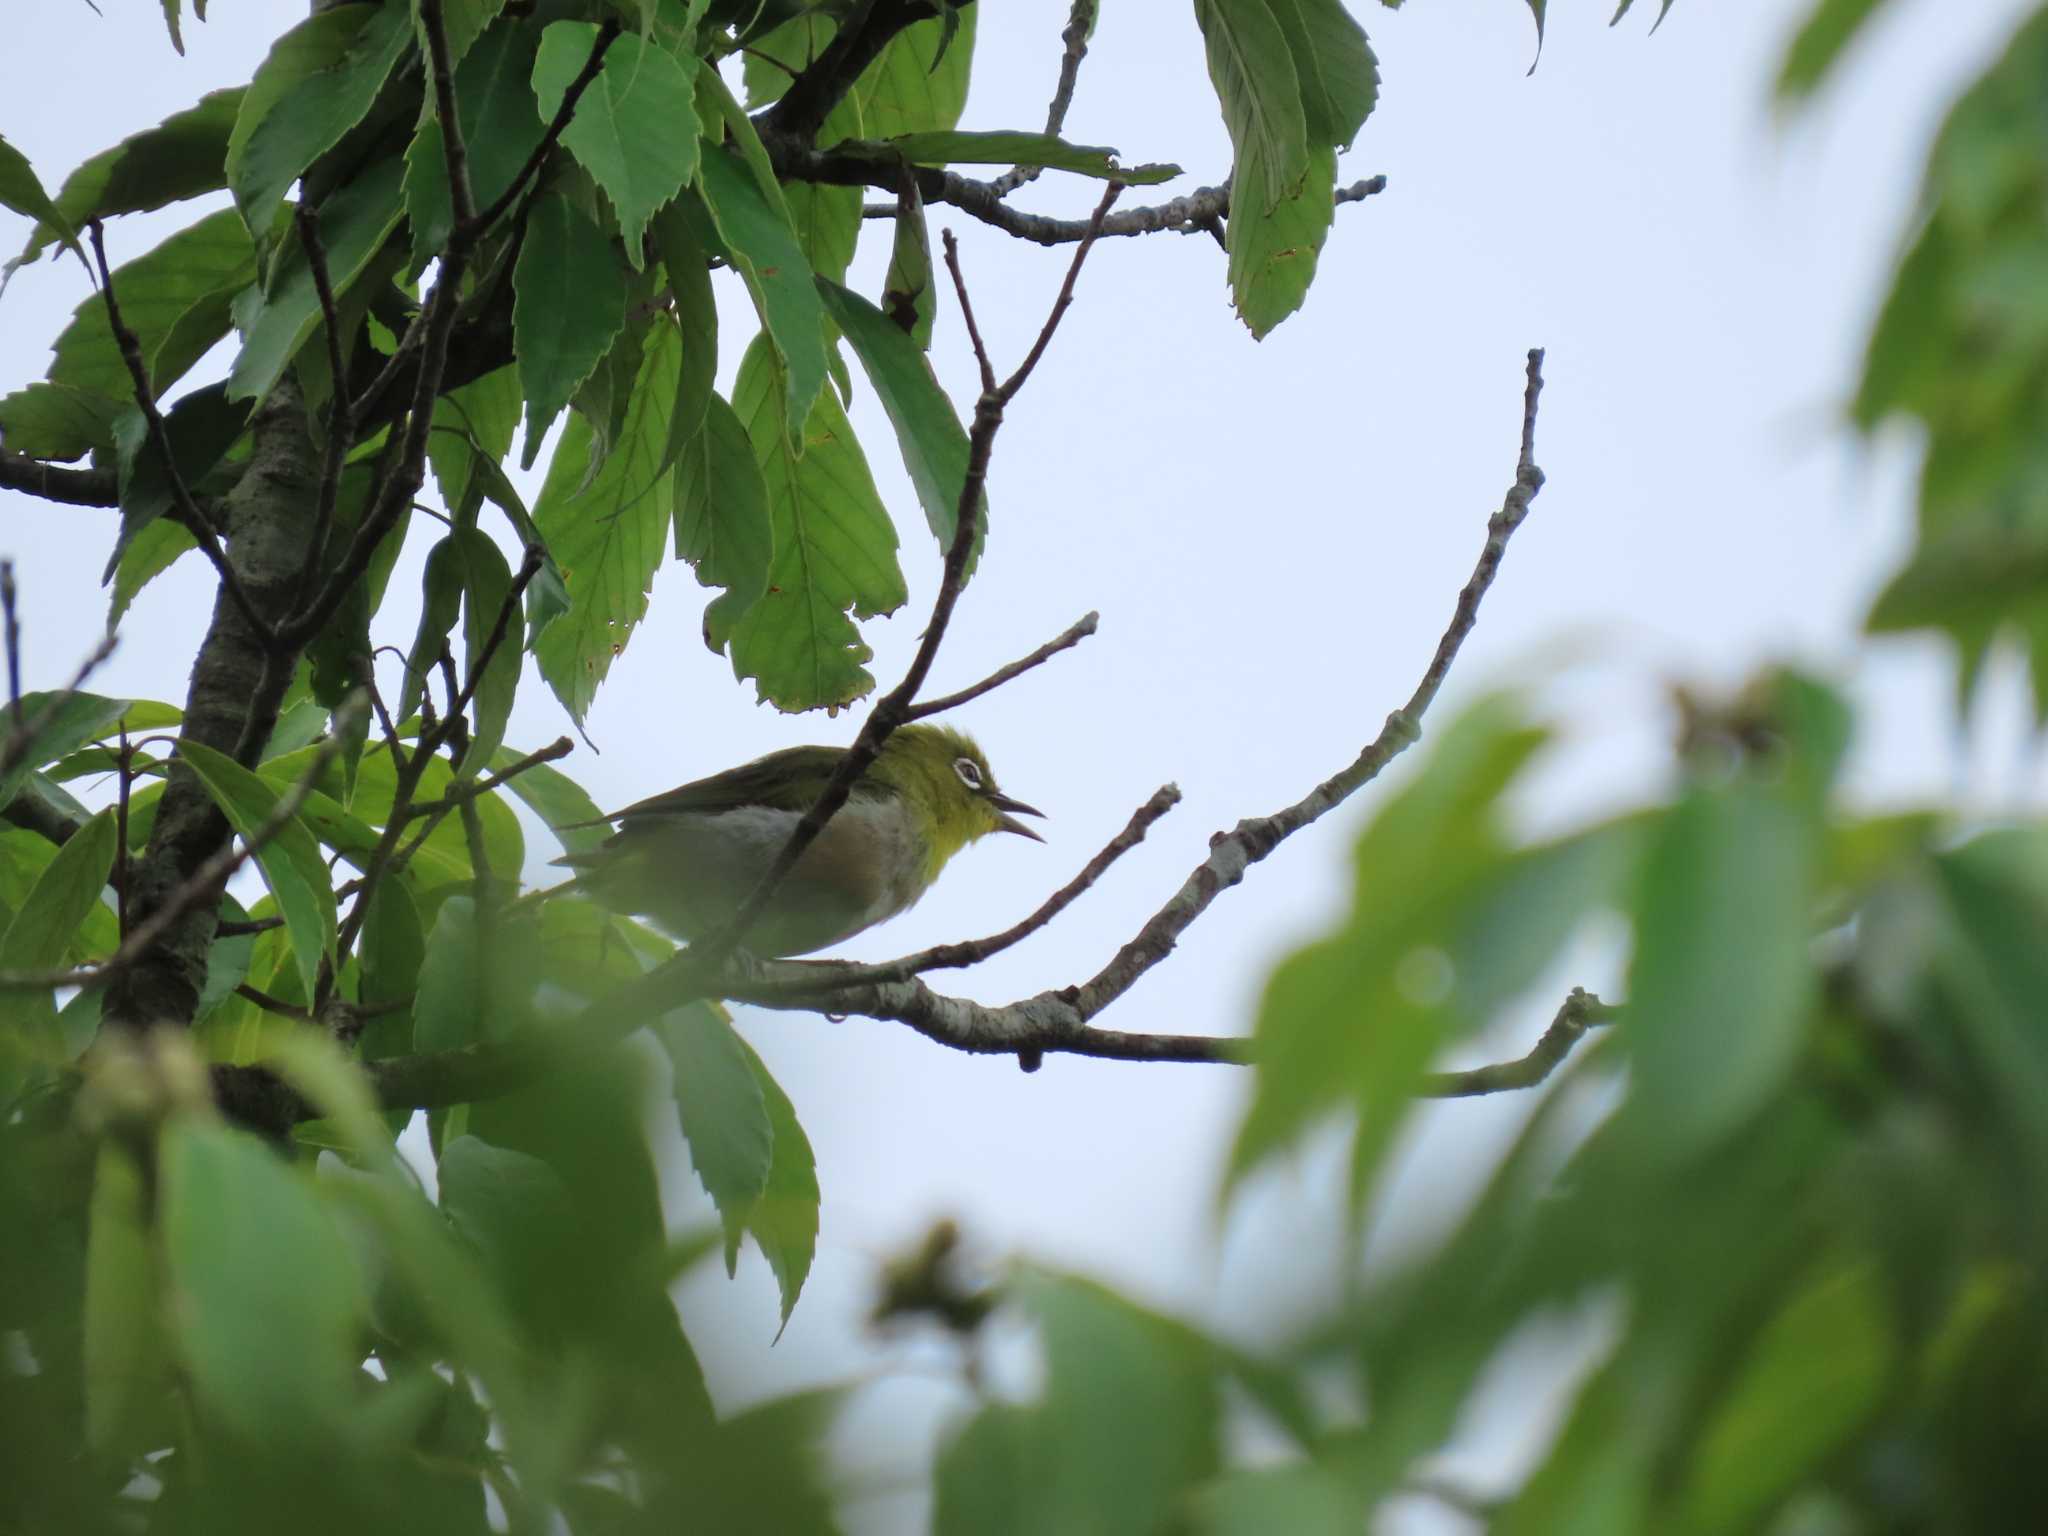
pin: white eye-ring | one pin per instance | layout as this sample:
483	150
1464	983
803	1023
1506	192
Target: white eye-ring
969	771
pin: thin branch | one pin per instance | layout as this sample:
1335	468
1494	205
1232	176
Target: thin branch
460	794
1232	853
203	884
454	153
22	732
1080	22
1581	1011
1193	213
12	621
72	487
195	519
1072	636
893	708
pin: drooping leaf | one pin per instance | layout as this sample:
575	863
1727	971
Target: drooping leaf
474	423
61	724
607	538
764	247
319	81
440	607
289	857
42	930
1818	46
200	428
22	191
721	518
1340	78
631	128
909	298
933	443
687	266
724	1115
128	1377
1253	72
835	549
571	302
55	421
486	613
148	555
784	1219
1273	254
445	1010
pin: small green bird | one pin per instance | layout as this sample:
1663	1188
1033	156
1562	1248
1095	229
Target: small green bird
688	858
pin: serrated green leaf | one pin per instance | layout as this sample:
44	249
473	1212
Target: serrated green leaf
687	266
200	428
289	859
355	221
723	1111
1253	72
608	538
722	525
570	302
919	82
291	122
630	130
1273	254
784	1220
835	550
21	190
933	443
764	247
148	555
268	1304
54	421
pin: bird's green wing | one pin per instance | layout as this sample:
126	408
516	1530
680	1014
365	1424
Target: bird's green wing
789	780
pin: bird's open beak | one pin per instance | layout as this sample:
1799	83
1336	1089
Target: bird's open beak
1010	823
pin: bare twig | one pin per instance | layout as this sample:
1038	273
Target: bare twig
555	750
194	517
1581	1011
203	884
893	708
1195	212
1074	634
1080	22
53	482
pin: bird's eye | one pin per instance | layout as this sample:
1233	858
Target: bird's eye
970	773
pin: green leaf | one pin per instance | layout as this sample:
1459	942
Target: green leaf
908	297
500	131
446	1010
784	1220
1536	10
985	1481
23	192
54	421
128	1378
630	130
290	858
464	22
179	158
1253	72
607	538
73	719
355	221
1340	79
440	607
171	10
148	555
473	424
835	550
556	799
764	247
291	122
933	443
688	266
1817	47
268	1303
175	298
1720	983
41	931
721	517
919	82
604	398
1273	255
570	303
723	1111
392	952
1306	1500
486	590
1009	147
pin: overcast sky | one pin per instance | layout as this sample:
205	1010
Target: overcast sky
1274	534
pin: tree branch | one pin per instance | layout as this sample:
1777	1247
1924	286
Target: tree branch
1581	1011
1072	636
1080	22
867	29
73	487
